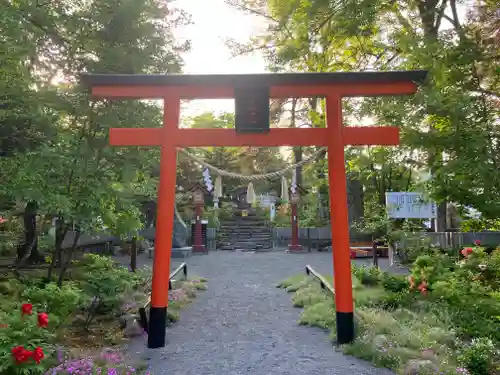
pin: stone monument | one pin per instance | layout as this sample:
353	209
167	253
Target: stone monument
180	235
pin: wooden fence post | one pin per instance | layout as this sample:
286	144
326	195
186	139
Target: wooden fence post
375	254
133	254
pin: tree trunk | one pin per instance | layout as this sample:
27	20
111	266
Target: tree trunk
323	191
149	210
355	201
133	254
431	13
441	217
61	231
64	267
30	243
297	151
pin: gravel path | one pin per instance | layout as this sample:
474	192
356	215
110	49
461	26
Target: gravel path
243	324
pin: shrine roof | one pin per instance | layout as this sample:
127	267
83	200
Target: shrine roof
252	80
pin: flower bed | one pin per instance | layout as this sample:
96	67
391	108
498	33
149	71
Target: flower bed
182	295
444	318
63	330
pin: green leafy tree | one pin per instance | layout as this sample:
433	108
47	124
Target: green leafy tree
75	176
451	122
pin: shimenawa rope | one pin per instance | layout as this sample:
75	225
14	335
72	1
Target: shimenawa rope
264	176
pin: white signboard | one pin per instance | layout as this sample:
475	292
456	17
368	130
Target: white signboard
402	205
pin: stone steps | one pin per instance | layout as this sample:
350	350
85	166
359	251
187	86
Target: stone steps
246	247
254	228
238	231
259	226
245	233
246	239
251	221
264	236
248	231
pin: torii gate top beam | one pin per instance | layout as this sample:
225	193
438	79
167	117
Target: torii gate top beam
282	85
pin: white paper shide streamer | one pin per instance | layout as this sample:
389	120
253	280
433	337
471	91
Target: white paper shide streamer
207	179
217	191
218	187
293	188
251	197
284	190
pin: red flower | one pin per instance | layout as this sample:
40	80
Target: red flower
43	320
27	309
21	354
477	243
38	354
466	251
423	287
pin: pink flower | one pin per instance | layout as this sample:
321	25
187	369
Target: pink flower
466	251
477	243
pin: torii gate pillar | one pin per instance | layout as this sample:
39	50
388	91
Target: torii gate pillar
252	93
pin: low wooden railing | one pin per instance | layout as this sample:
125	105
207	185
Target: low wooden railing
325	285
143	317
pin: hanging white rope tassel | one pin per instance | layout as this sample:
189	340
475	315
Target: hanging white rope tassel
217	191
293	188
207	179
251	198
284	190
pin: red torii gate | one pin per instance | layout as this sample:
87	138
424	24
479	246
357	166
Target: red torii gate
256	88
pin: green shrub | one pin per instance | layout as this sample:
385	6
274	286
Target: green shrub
173	315
225	211
293	283
478	356
11	288
394	283
61	301
369	276
491	273
105	283
467	296
21	331
392	300
321	314
447	312
212	215
309	295
369	296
